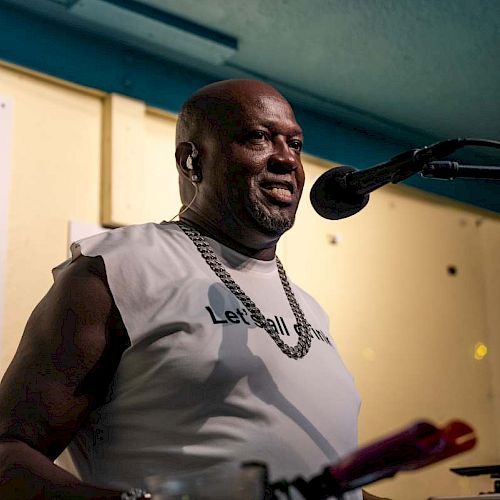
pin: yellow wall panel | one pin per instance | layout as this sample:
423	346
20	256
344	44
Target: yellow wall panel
55	177
140	174
405	326
490	262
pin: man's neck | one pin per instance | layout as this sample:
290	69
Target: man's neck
218	232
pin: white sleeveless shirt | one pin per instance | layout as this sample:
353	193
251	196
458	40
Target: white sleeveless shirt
201	383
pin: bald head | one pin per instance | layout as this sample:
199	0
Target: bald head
238	150
214	106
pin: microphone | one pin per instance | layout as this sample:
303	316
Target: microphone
332	199
344	191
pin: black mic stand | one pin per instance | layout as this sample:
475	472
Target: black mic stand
344	191
422	160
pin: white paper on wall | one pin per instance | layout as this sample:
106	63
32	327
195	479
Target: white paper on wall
5	160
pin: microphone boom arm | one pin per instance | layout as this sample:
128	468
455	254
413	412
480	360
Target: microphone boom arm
403	165
395	170
343	191
449	170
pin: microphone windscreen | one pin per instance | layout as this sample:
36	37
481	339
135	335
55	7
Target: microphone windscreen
332	199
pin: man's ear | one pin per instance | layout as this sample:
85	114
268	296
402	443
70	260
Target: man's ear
186	155
182	151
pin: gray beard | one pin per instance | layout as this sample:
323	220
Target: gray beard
274	224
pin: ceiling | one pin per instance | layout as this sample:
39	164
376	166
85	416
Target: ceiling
429	65
412	70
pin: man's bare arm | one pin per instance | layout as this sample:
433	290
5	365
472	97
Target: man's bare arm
68	354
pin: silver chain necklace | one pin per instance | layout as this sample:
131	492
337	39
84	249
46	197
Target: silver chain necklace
303	327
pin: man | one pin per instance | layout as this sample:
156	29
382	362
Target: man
163	349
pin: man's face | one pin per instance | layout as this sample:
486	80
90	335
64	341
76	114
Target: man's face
251	164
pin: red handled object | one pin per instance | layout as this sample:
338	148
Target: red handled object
412	448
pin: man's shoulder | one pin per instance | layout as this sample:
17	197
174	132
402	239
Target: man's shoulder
134	232
126	246
128	239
